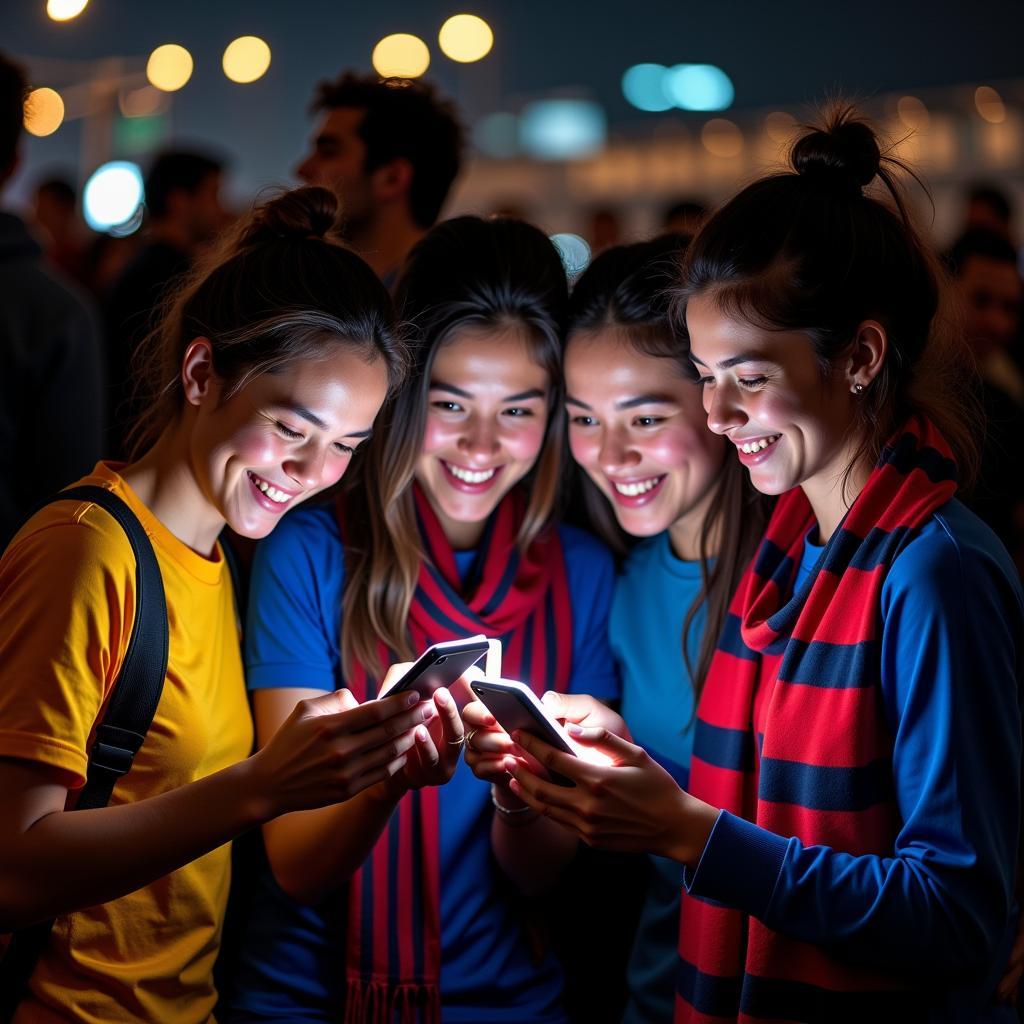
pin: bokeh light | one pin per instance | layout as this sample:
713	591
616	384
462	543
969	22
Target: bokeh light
780	127
497	135
699	87
722	138
574	251
912	112
989	104
401	56
465	38
562	129
169	67
643	85
143	102
112	195
246	59
44	112
65	10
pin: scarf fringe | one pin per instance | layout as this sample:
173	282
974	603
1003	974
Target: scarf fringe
383	1002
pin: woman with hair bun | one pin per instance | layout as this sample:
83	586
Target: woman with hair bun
270	366
849	835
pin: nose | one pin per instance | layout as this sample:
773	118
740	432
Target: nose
306	468
616	453
479	443
724	411
304	171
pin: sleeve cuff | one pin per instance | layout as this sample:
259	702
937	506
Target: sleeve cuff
739	867
270	676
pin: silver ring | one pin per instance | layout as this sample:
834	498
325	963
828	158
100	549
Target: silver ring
468	737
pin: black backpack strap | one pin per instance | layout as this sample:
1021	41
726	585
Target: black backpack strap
120	734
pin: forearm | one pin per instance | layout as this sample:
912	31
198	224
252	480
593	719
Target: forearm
66	861
312	853
531	852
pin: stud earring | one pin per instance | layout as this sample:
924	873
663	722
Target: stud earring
858	388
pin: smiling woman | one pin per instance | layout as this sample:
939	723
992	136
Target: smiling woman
273	362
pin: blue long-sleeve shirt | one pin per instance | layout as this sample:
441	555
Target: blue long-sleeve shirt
952	620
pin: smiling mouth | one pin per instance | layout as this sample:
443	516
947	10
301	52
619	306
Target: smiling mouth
470	476
272	492
634	488
758	444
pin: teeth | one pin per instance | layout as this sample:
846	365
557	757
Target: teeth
269	490
633	490
749	447
470	476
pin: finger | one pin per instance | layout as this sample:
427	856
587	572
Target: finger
426	749
490	768
564	816
451	721
548	793
572	707
553	760
485	742
621	751
395	672
365	716
365	760
476	716
363	739
371	778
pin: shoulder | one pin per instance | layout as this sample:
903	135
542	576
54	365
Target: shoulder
309	535
953	559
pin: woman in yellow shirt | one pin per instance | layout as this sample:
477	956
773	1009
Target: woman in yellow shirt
273	360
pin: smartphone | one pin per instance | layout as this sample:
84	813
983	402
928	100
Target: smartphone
516	706
440	665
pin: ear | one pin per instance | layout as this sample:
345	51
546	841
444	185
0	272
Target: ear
393	179
867	355
199	380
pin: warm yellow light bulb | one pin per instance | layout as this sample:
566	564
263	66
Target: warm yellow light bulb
65	10
169	67
44	112
465	38
401	56
246	59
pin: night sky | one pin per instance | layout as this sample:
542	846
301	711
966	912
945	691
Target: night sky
782	54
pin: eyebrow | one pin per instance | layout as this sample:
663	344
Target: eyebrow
521	396
628	403
743	357
311	417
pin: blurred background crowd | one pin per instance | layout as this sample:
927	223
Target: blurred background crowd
147	127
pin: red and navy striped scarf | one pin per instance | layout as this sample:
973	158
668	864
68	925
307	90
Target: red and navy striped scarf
791	734
394	918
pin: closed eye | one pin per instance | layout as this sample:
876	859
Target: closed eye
293	435
751	382
344	448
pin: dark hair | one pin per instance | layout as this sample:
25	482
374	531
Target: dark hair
692	209
811	251
979	242
403	118
59	189
13	90
628	287
992	197
466	272
174	170
278	287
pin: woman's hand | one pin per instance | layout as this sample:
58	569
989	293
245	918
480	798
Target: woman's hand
488	746
583	710
435	755
330	748
631	804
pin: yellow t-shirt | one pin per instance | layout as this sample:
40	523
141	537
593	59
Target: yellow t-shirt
67	600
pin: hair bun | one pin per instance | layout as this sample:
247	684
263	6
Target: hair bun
308	212
843	152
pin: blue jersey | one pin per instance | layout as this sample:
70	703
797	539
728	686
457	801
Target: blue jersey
292	966
652	597
952	662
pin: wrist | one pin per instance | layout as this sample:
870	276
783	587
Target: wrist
689	830
389	791
509	808
258	801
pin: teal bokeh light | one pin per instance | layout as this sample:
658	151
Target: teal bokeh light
643	85
698	87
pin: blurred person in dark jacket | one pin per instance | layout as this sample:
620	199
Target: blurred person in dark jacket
51	395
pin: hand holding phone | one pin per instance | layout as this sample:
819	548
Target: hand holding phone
440	665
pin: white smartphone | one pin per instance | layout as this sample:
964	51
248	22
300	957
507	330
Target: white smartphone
516	706
440	665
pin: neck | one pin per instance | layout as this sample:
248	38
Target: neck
166	484
684	535
834	490
385	240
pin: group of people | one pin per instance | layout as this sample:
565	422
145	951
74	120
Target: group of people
798	652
